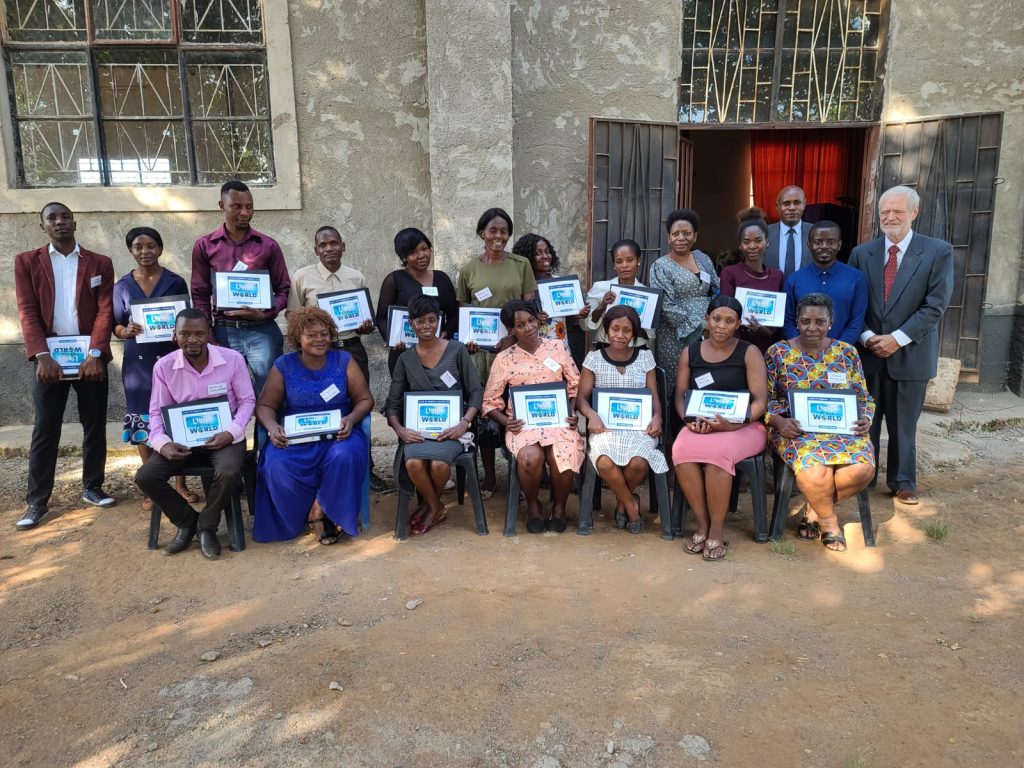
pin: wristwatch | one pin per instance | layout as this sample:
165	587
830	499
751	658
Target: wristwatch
95	353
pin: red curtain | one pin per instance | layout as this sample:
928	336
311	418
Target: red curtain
825	163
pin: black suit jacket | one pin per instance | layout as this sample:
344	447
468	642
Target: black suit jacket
771	251
920	295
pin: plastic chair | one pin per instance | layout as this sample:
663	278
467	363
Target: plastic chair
784	479
590	491
465	470
233	511
754	470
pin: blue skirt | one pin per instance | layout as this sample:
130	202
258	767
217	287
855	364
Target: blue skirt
289	479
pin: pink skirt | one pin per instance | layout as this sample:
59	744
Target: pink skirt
723	449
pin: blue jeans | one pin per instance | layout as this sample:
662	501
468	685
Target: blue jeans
260	345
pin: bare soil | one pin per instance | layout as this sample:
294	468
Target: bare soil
541	651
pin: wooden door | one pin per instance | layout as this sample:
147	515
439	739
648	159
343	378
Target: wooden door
633	184
953	164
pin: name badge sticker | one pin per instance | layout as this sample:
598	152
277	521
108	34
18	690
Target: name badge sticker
217	389
429	290
838	378
552	364
705	277
240	266
448	379
95	280
328	394
483	294
704	380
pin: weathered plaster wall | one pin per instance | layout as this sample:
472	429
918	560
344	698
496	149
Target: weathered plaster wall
570	61
948	59
361	103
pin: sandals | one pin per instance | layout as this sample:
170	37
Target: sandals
696	544
324	529
713	546
424	526
807	530
829	539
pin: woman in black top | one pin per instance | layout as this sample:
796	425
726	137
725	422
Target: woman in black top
416	278
706	451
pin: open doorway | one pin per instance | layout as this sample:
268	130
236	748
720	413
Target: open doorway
734	169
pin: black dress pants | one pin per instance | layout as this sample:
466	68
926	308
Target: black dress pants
152	479
49	401
899	404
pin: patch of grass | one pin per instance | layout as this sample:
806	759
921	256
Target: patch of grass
862	759
937	530
783	547
975	618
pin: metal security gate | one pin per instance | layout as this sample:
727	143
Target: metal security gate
634	182
953	164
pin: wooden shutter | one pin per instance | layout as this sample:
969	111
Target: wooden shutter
953	163
633	185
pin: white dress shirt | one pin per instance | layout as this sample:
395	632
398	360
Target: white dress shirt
798	245
901	338
65	291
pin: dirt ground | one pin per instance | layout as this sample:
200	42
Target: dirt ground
540	651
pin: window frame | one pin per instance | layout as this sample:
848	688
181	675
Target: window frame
283	194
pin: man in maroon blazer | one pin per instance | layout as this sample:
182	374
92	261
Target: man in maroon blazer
65	290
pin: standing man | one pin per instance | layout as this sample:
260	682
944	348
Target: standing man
330	276
846	286
787	238
196	371
65	290
910	279
237	246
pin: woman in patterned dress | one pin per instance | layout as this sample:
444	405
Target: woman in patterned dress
688	278
533	360
622	456
828	468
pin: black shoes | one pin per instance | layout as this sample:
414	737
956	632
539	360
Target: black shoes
181	541
98	498
557	524
32	517
377	485
209	545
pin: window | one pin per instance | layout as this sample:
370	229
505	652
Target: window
766	61
138	93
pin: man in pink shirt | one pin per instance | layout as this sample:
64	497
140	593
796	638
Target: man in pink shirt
197	371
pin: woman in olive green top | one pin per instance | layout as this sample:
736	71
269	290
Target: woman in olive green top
491	280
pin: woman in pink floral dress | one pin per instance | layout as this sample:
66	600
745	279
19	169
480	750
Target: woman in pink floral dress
534	360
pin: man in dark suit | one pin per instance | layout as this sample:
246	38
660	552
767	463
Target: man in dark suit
910	281
787	238
65	290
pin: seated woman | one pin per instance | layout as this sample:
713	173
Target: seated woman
622	456
433	364
533	360
314	482
828	468
706	451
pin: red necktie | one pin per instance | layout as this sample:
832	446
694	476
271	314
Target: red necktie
889	276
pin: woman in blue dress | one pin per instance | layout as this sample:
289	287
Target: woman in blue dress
314	483
147	281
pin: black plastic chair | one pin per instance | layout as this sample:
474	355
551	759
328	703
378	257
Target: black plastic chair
465	474
754	470
784	479
233	511
590	491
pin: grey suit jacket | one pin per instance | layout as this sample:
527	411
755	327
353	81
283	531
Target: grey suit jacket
920	295
771	253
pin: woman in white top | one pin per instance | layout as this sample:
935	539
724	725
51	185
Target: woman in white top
626	261
622	457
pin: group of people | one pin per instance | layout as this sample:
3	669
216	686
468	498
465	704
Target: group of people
884	309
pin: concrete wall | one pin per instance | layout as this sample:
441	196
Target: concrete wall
957	59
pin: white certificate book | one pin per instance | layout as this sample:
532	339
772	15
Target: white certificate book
237	290
350	309
400	329
192	424
541	405
313	426
561	296
831	411
431	413
69	352
646	302
624	408
157	317
708	403
482	325
767	307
